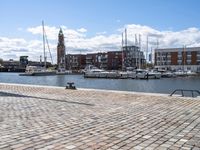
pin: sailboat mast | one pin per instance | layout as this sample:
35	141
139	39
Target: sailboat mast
44	44
137	54
140	51
183	56
147	50
122	51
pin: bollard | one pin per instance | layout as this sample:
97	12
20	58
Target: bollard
70	86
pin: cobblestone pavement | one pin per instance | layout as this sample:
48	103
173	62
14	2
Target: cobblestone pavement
54	118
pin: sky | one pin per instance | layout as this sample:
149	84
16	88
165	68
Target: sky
93	26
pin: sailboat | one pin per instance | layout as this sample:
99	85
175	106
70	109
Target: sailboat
38	70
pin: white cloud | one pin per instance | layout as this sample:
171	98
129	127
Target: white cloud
82	30
189	37
52	32
76	40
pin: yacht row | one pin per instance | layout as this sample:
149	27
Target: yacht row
135	74
42	71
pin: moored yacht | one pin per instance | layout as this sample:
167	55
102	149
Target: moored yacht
153	75
141	74
145	74
168	74
37	71
94	72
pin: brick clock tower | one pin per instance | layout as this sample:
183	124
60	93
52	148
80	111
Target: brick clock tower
61	50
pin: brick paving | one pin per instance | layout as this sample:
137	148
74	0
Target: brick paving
49	118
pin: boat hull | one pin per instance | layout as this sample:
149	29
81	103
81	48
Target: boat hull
48	73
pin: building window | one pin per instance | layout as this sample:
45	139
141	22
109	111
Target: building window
179	62
189	53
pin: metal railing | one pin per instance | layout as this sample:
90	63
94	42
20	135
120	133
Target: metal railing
182	92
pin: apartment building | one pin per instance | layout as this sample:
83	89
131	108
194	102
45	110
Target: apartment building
114	60
75	61
178	58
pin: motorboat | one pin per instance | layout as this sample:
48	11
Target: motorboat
91	71
141	74
181	73
168	74
145	74
37	71
122	75
191	73
94	72
131	74
153	75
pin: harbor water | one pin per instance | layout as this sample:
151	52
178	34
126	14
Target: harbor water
163	85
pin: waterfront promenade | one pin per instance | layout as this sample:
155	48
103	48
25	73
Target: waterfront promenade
38	117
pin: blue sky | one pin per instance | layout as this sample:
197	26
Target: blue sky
98	16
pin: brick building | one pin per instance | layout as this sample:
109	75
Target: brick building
75	61
178	58
114	60
111	60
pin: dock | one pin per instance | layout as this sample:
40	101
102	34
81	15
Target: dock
54	118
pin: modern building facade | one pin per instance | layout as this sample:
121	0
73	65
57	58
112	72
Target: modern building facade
178	58
133	57
61	50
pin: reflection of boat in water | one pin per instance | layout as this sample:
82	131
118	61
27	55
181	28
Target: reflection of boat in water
37	71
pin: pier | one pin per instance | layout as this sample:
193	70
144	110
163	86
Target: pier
55	118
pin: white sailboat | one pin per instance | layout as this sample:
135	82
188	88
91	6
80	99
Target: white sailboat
38	70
